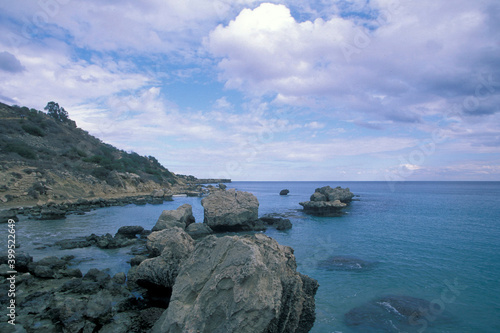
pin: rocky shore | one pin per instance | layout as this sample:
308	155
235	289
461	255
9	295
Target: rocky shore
327	201
183	277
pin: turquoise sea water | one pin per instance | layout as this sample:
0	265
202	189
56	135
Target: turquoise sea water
437	241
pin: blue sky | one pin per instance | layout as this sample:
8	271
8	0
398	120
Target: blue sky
276	90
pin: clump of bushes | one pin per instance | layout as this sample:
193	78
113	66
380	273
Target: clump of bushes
33	130
21	149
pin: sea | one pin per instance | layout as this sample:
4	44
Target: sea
432	241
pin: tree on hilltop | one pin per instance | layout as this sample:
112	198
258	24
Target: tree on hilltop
55	111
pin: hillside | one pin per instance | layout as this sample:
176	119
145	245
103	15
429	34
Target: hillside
43	158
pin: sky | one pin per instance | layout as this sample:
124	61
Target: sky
361	90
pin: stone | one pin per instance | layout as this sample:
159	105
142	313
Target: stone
129	231
158	240
284	192
181	217
344	195
231	210
323	208
198	230
241	284
6	215
222	186
119	278
175	246
277	222
52	213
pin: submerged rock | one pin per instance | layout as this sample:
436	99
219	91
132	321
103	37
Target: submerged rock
395	313
240	284
231	210
346	263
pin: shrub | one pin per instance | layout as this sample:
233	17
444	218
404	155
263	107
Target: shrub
21	149
33	130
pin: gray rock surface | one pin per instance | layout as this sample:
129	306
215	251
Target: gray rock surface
180	217
175	246
284	192
231	210
198	230
240	284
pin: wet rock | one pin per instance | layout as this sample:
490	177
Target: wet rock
231	211
22	261
135	261
346	263
51	213
6	215
284	192
129	231
75	243
181	217
277	222
222	186
240	284
119	278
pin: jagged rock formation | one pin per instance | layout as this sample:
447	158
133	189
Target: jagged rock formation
327	201
240	284
231	210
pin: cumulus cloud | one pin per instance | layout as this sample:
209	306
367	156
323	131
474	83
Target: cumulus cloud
388	64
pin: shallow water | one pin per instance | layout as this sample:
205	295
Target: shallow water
437	241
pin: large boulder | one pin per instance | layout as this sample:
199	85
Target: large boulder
161	271
231	210
180	217
157	241
327	201
240	284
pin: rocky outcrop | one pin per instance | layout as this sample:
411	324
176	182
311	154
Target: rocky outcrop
174	246
6	215
277	222
180	217
51	213
284	192
240	284
231	210
327	201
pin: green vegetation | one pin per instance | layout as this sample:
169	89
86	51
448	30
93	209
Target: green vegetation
33	130
52	141
21	149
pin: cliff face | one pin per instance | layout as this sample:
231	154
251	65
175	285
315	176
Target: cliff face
43	159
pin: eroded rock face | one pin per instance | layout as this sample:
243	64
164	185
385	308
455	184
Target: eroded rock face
231	210
240	284
180	217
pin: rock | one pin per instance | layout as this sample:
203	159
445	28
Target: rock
393	313
198	230
75	243
181	217
346	263
284	192
231	210
114	179
135	261
129	231
22	261
158	193
222	186
158	240
6	215
344	195
323	208
119	278
240	284
175	246
277	222
52	214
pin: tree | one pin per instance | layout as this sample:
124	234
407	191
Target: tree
56	112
